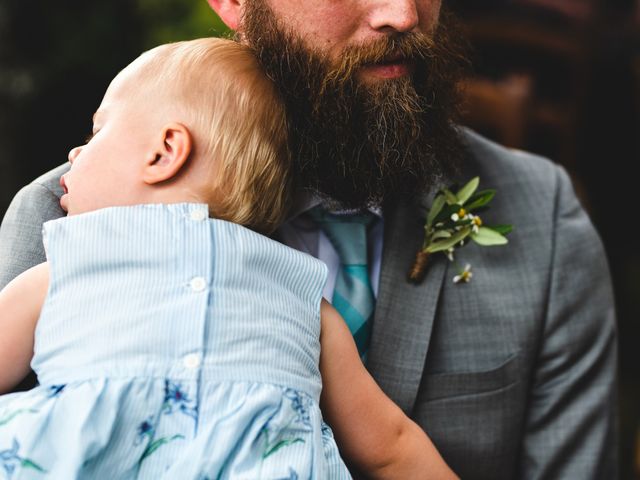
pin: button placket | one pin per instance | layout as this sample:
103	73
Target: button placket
198	215
198	229
198	284
191	361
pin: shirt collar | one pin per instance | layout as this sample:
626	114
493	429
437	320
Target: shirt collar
305	200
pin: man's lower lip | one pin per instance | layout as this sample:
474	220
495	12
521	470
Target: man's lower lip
387	70
63	202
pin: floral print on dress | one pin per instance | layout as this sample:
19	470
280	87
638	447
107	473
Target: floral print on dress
55	390
175	398
11	460
301	404
327	434
146	432
7	415
271	446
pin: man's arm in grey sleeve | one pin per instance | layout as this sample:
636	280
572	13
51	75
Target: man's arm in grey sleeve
571	421
21	230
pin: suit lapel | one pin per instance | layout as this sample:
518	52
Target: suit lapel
404	312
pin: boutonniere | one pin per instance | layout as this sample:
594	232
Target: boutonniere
451	222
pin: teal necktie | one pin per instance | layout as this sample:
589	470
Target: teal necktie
353	295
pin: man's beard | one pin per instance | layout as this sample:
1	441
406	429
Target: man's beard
355	143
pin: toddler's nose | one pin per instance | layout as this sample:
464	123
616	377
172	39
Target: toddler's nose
73	154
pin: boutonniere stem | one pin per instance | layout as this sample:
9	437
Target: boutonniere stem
451	222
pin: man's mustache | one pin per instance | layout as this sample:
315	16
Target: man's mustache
404	47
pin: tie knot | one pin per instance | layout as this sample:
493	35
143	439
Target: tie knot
347	233
321	216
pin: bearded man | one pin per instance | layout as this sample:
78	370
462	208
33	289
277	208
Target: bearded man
512	375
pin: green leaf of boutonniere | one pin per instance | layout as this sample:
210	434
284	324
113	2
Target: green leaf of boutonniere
502	229
465	192
450	197
436	208
446	244
441	234
449	223
480	199
488	237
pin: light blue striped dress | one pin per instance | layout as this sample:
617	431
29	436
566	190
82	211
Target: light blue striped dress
172	346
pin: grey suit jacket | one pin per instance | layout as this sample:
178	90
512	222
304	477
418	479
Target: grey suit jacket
513	375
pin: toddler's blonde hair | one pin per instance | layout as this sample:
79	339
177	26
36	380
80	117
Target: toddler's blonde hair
237	121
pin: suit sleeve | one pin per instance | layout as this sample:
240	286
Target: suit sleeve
21	230
571	417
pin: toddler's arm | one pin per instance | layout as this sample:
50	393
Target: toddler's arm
20	304
371	431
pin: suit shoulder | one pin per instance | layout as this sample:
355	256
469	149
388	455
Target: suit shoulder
36	202
526	184
502	165
51	179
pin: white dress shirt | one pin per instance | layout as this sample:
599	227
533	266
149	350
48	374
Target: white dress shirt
302	233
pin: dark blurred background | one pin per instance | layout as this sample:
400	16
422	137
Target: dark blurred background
557	77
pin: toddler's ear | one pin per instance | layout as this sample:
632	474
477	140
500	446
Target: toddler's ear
171	154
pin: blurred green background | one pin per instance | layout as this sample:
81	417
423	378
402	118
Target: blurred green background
560	78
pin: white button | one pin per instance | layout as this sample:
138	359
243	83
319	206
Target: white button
198	284
198	215
191	361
